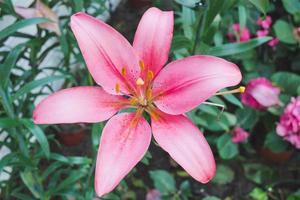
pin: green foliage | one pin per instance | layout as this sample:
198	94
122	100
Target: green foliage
287	81
226	148
284	32
261	5
163	181
224	175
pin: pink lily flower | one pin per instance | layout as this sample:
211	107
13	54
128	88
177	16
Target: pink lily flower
239	135
134	76
40	10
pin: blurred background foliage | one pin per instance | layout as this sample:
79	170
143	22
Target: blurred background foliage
57	162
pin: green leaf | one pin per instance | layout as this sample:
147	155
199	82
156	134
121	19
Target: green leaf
39	134
232	99
185	188
9	63
78	5
242	16
261	5
163	181
257	172
258	194
287	81
73	177
224	175
33	184
291	6
246	117
284	32
211	198
226	148
189	3
72	160
96	134
7	122
21	24
235	48
214	7
28	87
275	142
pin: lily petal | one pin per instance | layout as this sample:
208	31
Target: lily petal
26	13
122	146
153	38
107	53
177	135
184	84
79	104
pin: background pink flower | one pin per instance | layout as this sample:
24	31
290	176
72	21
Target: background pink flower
153	195
274	42
261	33
243	35
239	135
260	94
289	125
264	23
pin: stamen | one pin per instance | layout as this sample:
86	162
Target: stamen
149	93
140	82
242	89
150	75
142	65
117	88
238	90
123	71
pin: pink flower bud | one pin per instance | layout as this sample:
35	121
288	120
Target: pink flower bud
239	135
274	42
260	94
264	23
262	33
153	195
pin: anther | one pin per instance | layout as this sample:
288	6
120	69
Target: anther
140	82
242	89
123	71
117	88
150	75
142	65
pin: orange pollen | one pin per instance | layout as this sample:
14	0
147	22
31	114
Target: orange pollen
117	88
123	71
142	65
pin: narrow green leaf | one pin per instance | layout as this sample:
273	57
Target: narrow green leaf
261	5
32	183
235	48
21	24
7	122
242	16
189	3
9	63
39	134
74	160
96	134
34	84
214	7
